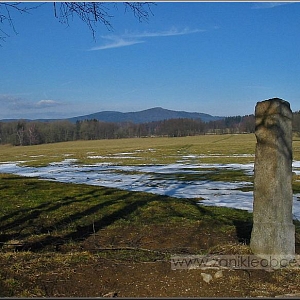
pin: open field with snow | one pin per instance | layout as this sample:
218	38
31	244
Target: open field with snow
206	148
216	170
81	213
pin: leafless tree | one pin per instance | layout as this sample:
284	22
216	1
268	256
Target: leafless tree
6	10
91	13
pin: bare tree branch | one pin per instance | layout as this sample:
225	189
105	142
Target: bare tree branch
91	13
5	15
141	10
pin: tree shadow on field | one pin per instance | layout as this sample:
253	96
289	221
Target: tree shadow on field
83	232
243	227
74	218
70	218
24	218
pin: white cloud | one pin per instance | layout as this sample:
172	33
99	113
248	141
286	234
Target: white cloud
47	103
131	38
14	103
117	43
21	107
172	32
266	5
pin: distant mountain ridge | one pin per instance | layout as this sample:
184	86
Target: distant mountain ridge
145	116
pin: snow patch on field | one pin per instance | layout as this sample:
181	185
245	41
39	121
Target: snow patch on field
150	178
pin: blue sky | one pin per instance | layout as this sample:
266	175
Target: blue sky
218	58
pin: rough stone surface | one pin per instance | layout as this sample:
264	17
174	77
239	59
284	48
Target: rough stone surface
273	231
218	274
206	277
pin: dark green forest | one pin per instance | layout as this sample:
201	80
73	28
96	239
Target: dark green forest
23	132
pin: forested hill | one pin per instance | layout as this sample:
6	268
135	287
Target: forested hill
145	116
24	132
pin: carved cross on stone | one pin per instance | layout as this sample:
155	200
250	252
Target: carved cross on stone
273	231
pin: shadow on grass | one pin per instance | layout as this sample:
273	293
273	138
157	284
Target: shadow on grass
84	231
24	218
78	211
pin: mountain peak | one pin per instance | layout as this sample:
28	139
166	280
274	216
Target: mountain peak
156	108
145	116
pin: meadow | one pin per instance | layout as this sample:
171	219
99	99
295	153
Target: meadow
82	240
214	148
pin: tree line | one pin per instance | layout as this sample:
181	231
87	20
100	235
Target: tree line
23	132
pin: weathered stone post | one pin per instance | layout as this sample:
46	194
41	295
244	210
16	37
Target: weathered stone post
273	231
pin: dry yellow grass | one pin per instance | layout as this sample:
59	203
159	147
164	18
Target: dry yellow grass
206	148
228	148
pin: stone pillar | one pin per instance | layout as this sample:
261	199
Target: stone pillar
273	231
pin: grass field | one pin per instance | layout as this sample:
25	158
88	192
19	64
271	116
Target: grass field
46	207
205	148
143	150
51	232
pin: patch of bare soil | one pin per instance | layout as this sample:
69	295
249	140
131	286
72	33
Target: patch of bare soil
139	266
174	238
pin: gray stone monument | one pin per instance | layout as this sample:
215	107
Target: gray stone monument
273	231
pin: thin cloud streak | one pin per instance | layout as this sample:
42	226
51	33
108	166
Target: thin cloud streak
267	5
117	44
129	39
171	32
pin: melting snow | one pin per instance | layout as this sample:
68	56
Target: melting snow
150	178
